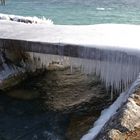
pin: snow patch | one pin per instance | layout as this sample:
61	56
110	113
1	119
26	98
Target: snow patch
32	20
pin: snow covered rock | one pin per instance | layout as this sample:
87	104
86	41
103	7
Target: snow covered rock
126	123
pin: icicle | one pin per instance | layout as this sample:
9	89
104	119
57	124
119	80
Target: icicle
116	69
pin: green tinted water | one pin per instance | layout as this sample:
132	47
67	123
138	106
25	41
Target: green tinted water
77	11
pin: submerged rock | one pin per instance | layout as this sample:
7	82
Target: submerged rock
70	91
79	125
80	96
23	94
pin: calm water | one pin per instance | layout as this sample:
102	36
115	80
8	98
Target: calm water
77	11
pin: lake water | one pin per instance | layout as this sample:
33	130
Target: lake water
77	11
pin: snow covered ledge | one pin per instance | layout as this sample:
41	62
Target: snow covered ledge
109	50
115	54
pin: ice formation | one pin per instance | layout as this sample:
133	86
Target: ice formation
7	71
32	20
100	8
115	70
108	113
109	50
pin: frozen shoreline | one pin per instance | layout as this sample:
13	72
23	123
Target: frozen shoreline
110	46
122	39
109	112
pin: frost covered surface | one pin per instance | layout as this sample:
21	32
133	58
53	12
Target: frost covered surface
32	20
115	47
108	113
115	73
108	36
116	55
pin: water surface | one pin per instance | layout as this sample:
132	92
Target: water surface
77	11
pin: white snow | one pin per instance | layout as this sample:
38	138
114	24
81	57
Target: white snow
100	8
119	43
108	36
33	20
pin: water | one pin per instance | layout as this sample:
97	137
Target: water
24	120
77	11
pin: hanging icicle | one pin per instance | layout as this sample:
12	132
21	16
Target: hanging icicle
116	67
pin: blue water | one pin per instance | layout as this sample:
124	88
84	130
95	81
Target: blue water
77	11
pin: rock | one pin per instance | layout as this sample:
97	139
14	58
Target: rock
27	89
114	134
35	137
10	74
23	94
11	80
125	124
79	125
12	66
76	94
15	54
56	66
68	91
129	135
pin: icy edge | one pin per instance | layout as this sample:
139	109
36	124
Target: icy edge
108	113
32	20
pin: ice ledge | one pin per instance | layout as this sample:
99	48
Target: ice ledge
112	36
109	50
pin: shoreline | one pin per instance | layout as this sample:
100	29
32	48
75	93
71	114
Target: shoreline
111	64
